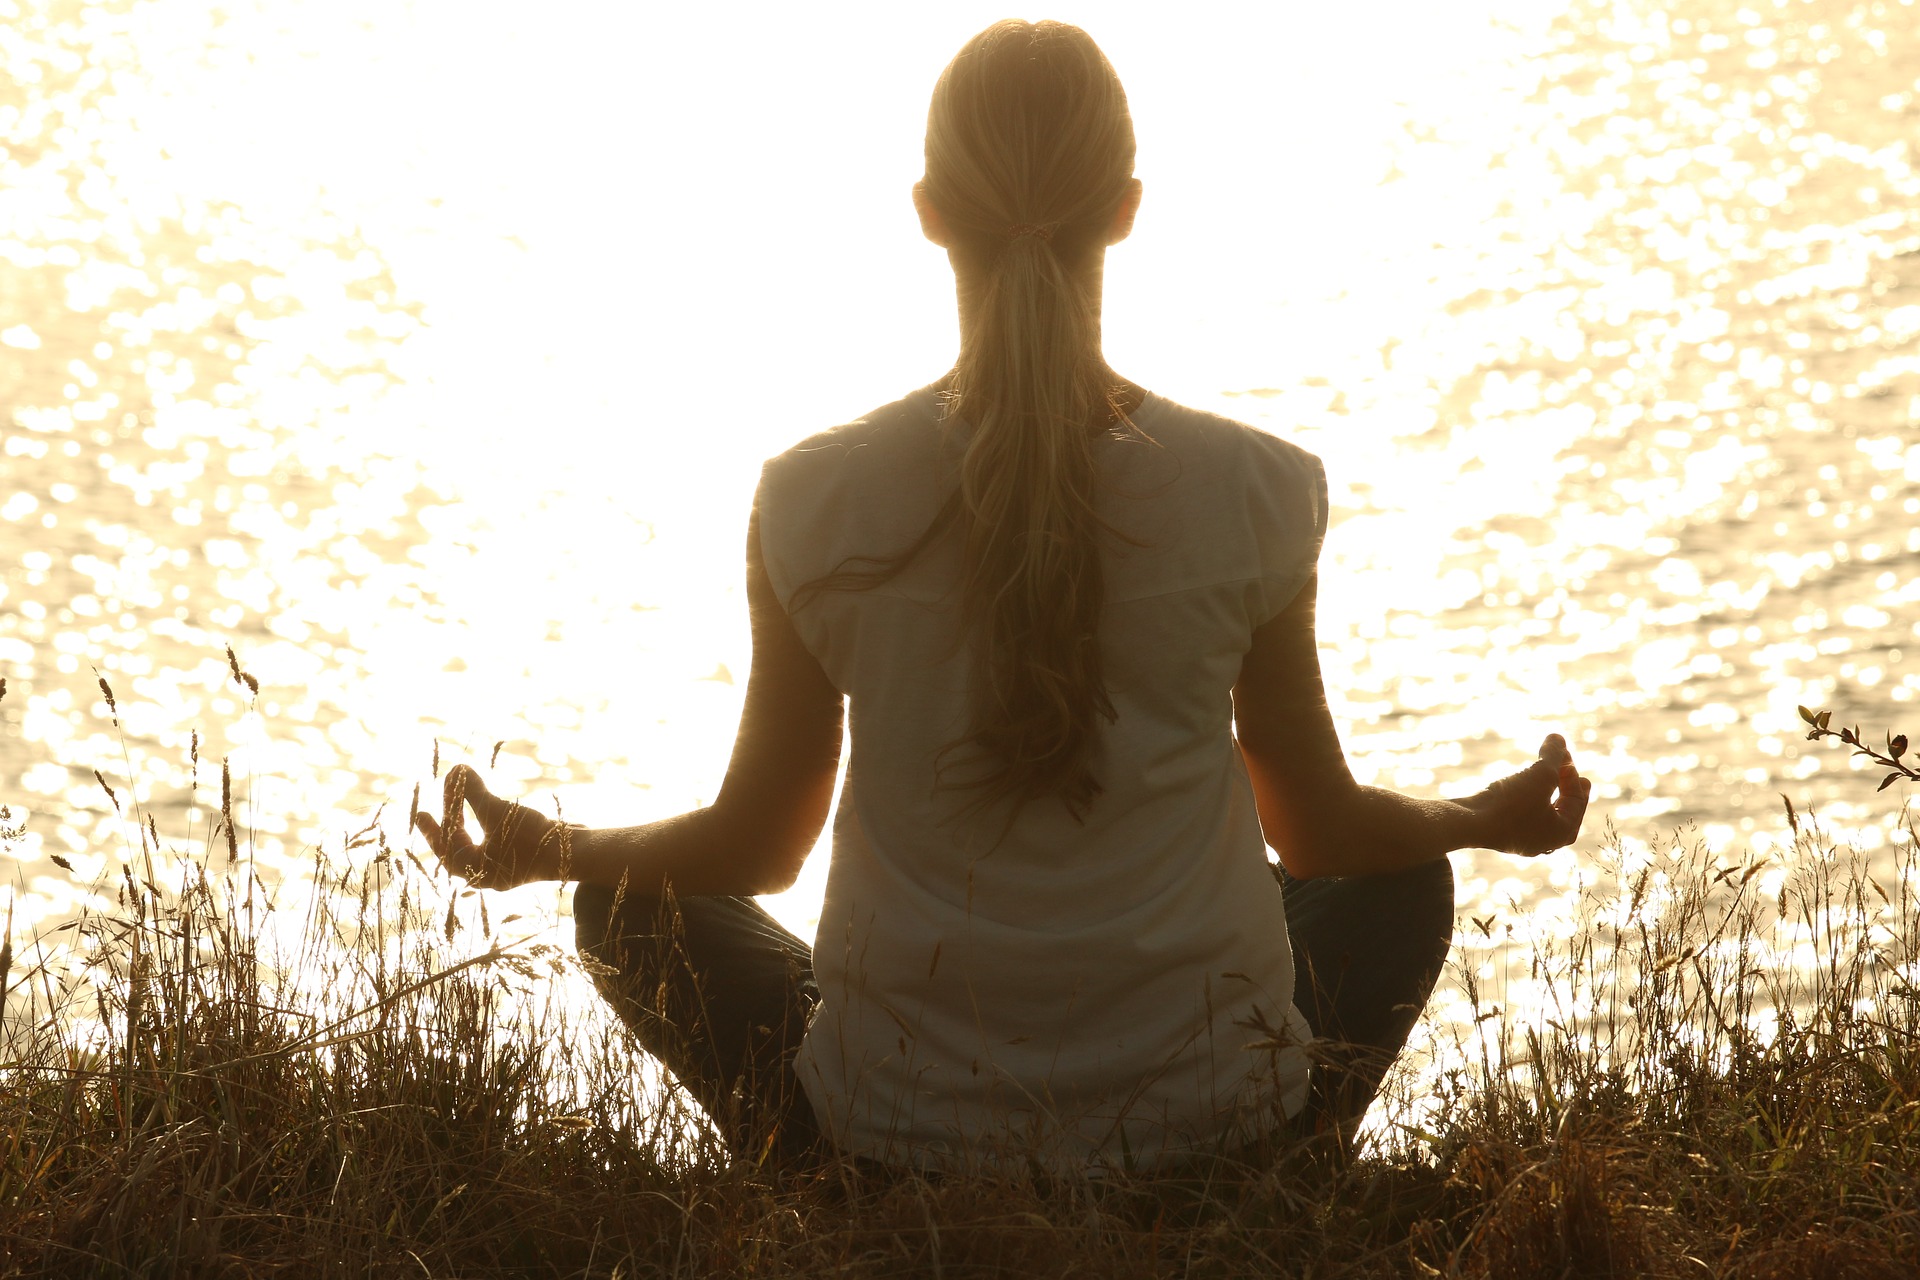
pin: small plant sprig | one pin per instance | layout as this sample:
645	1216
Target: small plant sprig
1896	747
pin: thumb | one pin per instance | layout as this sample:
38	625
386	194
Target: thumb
1540	777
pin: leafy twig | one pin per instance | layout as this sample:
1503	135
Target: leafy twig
1896	747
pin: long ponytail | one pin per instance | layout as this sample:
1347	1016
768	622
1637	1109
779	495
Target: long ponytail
1029	152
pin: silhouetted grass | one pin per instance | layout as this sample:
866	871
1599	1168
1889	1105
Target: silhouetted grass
1722	1078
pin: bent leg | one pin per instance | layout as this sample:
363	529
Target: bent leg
717	990
1367	951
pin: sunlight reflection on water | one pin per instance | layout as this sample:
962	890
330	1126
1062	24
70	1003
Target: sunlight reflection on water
443	405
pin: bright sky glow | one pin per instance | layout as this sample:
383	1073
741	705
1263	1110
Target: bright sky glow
455	334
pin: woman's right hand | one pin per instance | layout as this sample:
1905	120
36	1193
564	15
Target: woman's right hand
1538	809
519	844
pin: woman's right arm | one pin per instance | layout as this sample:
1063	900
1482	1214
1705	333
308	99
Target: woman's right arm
1323	823
753	838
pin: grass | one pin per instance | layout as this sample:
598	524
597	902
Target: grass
1721	1077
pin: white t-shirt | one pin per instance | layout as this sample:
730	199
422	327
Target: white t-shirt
1090	992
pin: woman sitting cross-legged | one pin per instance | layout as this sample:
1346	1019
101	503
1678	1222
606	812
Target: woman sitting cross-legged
1071	625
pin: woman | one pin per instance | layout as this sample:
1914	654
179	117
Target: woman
1073	624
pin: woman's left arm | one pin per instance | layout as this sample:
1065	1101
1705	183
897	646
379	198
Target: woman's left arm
752	839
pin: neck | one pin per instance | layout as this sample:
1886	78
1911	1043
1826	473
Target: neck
968	281
968	285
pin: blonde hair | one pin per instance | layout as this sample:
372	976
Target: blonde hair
1029	131
1029	155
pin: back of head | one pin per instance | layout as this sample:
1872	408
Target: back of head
1028	128
1029	156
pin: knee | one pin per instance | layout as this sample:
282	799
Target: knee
1433	881
603	916
1419	909
1430	906
592	916
1431	895
1423	892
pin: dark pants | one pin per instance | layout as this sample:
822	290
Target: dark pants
721	993
1366	953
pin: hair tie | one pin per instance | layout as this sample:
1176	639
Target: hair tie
1043	230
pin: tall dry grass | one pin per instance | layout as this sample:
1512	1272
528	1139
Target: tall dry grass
1720	1077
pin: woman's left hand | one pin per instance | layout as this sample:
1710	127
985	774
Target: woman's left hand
1538	809
520	845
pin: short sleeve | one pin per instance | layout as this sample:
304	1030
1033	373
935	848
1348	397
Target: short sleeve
803	509
1286	501
835	500
777	522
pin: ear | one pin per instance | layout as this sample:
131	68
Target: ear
1123	216
932	225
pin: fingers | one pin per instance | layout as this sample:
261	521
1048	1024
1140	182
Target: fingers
1554	772
1553	751
443	840
1539	778
465	784
1572	804
1555	757
461	783
449	844
499	821
1574	789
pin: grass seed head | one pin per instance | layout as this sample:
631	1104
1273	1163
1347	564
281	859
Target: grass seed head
226	811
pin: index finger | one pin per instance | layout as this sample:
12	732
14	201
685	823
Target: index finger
1572	805
452	792
465	781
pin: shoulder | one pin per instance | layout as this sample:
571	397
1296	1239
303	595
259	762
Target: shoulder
860	488
884	437
1256	456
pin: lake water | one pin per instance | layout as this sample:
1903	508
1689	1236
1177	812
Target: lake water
425	354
